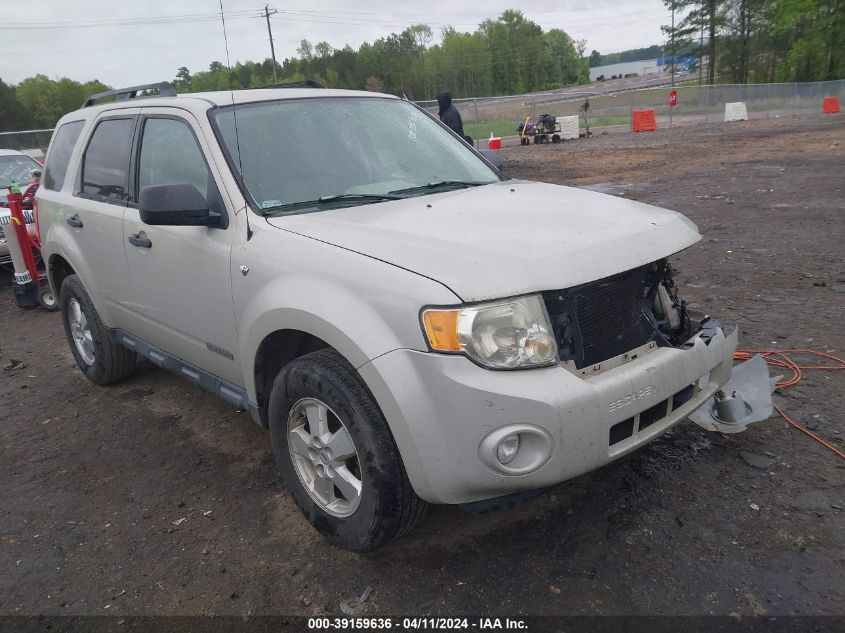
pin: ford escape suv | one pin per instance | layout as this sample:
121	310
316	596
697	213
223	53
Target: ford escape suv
410	325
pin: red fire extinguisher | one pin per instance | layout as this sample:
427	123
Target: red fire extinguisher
673	98
30	286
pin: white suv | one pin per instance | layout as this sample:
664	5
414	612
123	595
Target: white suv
412	326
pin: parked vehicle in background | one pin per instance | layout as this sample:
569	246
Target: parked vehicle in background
15	167
412	326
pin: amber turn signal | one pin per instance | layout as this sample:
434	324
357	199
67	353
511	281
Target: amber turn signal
441	328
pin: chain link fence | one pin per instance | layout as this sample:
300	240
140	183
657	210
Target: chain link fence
500	116
33	142
610	105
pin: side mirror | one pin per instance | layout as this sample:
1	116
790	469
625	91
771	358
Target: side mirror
175	205
492	157
35	174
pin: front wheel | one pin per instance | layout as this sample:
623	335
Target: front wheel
337	456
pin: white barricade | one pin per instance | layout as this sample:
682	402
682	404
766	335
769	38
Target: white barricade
568	127
736	111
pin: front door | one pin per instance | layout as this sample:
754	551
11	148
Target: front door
180	288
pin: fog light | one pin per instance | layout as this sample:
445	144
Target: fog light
516	449
507	449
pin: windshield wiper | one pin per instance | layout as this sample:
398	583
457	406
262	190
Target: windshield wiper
374	197
441	184
329	200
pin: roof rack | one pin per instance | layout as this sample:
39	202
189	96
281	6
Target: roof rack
307	83
165	89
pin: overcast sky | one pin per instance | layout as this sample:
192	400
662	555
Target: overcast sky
91	39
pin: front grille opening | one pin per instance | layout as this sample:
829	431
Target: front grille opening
653	414
607	318
682	397
601	319
621	431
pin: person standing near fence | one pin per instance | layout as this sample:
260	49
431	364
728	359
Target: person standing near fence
449	114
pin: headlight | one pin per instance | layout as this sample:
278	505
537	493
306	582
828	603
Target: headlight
509	334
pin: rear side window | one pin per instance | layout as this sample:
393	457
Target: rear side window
59	157
105	165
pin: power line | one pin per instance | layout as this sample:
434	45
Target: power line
463	13
286	15
199	44
157	20
305	15
347	18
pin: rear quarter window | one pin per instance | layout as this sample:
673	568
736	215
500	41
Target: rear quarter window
59	156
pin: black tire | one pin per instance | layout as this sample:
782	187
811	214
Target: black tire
47	300
388	507
112	362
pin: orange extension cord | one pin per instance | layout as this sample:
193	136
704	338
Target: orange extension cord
782	358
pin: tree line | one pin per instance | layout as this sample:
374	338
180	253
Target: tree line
762	41
508	55
738	41
38	102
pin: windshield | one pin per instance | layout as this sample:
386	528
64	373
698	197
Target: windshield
17	168
367	149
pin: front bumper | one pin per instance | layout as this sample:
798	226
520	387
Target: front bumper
441	408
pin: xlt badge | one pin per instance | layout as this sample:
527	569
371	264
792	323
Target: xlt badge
220	350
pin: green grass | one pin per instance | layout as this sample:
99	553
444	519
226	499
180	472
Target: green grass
485	128
601	121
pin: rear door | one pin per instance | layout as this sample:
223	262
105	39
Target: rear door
95	215
180	290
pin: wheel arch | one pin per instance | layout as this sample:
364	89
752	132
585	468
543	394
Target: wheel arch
58	269
276	350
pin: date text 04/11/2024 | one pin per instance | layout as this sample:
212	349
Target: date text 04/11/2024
418	623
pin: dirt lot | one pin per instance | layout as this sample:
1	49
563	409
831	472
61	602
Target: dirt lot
92	479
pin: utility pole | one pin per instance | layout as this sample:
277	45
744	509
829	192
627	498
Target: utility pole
673	43
700	53
267	14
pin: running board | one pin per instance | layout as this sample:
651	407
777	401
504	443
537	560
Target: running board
232	394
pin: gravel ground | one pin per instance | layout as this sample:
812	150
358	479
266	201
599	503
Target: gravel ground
95	480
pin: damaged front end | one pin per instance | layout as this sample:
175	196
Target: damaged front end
605	323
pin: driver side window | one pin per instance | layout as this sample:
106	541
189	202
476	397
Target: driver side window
170	155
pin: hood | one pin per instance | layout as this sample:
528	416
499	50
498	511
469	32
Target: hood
504	239
444	100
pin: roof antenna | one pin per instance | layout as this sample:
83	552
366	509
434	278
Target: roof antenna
235	116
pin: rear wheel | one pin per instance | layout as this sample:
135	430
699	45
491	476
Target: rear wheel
100	358
337	456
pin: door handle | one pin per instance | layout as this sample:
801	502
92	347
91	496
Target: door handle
140	239
74	221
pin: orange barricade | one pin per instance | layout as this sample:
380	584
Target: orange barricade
830	105
643	121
